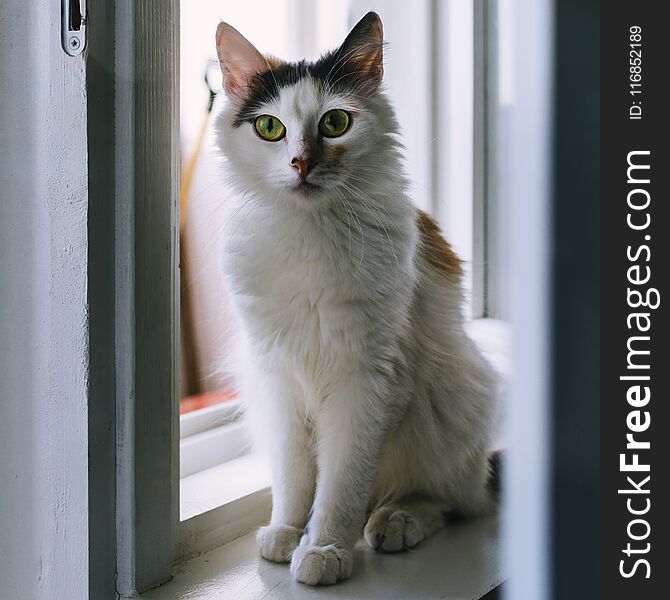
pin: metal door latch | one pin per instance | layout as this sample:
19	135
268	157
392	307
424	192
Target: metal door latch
73	26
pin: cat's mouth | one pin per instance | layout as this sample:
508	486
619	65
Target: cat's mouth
305	187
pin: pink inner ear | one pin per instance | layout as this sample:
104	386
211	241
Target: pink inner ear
370	62
238	58
365	45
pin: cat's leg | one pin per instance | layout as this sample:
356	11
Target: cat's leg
403	524
472	493
293	473
351	425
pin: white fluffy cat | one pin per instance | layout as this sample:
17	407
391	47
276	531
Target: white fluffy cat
375	405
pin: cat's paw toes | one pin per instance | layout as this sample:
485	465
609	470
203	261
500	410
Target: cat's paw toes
321	565
277	542
392	530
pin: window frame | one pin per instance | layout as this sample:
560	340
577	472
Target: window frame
210	436
481	185
139	29
149	537
484	186
135	62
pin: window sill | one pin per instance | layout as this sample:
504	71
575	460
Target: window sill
212	488
210	436
458	563
222	503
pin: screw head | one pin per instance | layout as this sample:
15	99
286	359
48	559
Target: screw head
74	43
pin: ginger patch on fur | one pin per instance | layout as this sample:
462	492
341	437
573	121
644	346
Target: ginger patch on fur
437	250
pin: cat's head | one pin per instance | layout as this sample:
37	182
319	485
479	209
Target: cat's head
306	129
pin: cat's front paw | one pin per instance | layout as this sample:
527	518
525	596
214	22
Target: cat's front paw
321	565
391	530
277	542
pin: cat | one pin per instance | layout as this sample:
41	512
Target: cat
376	407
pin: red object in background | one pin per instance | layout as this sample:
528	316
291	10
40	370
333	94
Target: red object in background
198	401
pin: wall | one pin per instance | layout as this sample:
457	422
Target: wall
43	317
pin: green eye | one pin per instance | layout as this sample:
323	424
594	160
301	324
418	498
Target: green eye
270	128
334	123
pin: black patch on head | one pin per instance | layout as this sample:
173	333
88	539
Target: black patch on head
264	87
330	71
355	67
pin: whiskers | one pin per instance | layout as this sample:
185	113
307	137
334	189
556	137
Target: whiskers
367	202
375	211
351	212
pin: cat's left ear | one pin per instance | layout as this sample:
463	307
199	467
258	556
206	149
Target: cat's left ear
239	60
363	50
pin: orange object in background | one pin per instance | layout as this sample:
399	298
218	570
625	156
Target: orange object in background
198	401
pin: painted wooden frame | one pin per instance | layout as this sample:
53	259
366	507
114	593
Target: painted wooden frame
483	184
147	46
133	121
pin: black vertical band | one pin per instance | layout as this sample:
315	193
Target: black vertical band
575	302
635	358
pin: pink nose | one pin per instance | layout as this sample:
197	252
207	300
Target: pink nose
301	165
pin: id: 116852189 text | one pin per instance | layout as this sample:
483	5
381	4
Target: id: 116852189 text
635	54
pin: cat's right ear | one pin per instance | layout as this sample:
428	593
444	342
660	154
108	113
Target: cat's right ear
363	52
239	60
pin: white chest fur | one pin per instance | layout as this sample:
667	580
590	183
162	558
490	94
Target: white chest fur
299	284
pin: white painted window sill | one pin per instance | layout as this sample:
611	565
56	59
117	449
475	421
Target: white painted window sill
222	503
460	562
222	484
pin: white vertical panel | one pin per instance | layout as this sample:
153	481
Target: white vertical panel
454	136
332	24
300	18
526	540
43	309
